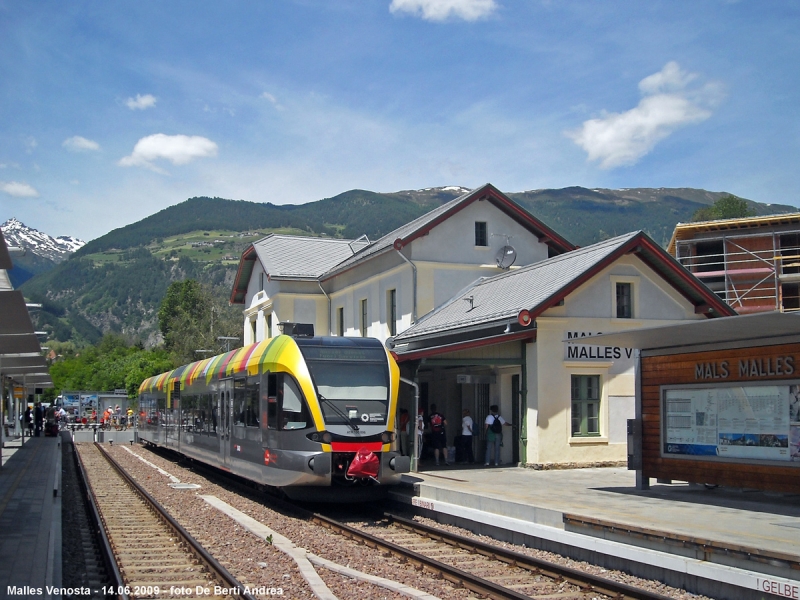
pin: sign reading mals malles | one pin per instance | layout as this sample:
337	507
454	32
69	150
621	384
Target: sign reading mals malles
746	368
580	350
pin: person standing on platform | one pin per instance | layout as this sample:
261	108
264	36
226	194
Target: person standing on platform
466	438
438	434
28	422
38	418
420	431
403	427
493	426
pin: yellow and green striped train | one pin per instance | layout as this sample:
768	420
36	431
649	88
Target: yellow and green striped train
288	412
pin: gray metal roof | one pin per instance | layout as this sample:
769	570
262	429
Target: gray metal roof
503	296
294	257
745	330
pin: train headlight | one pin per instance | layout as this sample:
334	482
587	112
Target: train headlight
323	437
387	437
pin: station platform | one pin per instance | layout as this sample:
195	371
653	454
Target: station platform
30	517
721	542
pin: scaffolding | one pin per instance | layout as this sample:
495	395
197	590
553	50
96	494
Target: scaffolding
753	272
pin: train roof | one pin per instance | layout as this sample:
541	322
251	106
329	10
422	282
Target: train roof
247	358
252	358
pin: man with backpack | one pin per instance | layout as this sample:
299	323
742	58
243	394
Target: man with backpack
493	426
438	435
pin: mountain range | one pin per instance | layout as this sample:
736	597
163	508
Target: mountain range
116	282
41	252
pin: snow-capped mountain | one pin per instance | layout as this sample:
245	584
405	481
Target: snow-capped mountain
57	249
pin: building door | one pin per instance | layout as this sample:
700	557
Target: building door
481	411
516	415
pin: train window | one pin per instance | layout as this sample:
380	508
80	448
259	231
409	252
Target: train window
245	409
272	401
294	414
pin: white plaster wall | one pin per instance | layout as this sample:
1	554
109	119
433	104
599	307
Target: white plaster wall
454	239
656	300
620	409
375	290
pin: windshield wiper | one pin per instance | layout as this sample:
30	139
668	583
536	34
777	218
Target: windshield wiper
339	412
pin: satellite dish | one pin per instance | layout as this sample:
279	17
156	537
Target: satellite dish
506	257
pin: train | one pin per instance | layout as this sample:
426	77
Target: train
297	413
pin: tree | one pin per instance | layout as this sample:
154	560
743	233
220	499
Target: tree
726	207
109	365
191	318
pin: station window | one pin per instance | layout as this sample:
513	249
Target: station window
364	317
391	311
585	405
481	236
340	321
624	300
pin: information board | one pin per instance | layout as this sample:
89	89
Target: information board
760	422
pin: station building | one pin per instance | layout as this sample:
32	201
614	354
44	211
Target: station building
474	330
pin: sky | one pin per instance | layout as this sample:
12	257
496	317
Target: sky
112	111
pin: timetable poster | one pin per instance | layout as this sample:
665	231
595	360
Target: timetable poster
751	422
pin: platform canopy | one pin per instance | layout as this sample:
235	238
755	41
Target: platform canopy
746	330
20	351
32	360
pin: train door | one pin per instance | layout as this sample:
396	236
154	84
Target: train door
224	401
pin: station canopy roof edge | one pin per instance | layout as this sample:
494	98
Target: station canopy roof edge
725	330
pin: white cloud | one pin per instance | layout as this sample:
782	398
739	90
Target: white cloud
80	144
18	190
30	144
178	149
272	100
441	10
141	102
619	139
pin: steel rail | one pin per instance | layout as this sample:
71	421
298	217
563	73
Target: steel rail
99	530
585	581
455	575
212	564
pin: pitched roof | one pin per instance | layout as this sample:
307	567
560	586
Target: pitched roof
404	235
290	257
494	302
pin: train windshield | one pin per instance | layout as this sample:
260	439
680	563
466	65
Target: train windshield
353	387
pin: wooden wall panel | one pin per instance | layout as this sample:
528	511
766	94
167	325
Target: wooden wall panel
723	367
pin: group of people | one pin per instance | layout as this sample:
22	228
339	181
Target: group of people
34	420
492	426
35	417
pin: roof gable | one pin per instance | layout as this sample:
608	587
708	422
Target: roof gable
402	236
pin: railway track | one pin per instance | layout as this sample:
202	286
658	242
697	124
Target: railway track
153	556
485	569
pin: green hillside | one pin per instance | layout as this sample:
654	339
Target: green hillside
115	283
349	215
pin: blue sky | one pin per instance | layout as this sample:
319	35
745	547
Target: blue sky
112	111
